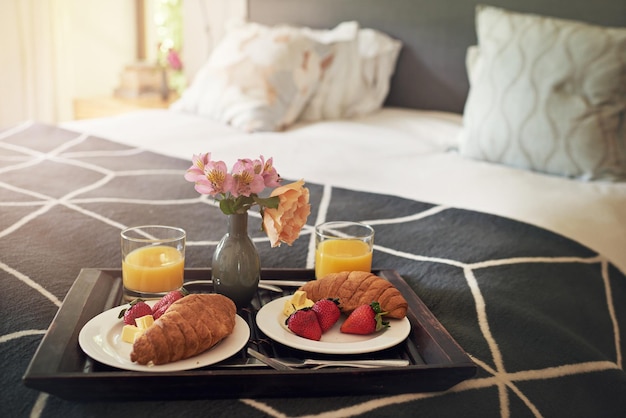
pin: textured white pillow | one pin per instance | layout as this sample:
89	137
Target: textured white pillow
547	95
339	74
378	54
258	78
356	82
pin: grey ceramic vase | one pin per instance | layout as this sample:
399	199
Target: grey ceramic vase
236	267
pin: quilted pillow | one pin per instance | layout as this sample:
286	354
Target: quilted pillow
548	95
258	78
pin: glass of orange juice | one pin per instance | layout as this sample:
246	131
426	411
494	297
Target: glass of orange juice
153	260
343	246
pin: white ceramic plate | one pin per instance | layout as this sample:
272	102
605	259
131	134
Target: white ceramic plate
101	339
271	321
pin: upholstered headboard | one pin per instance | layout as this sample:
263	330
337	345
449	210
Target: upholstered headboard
431	70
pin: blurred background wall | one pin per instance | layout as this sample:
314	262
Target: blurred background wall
54	51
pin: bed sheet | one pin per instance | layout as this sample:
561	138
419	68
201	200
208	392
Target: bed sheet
401	152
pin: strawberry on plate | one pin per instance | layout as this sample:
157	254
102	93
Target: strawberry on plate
327	311
137	309
366	319
304	323
166	301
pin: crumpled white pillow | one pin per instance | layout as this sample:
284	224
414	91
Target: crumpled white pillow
262	78
357	81
258	78
547	95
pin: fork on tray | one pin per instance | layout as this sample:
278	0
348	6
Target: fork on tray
286	363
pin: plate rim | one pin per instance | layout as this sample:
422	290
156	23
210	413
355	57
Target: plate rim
97	326
274	307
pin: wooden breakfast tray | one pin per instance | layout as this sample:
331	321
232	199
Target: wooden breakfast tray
60	367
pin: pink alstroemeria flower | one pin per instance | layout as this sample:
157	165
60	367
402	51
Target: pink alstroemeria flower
269	173
209	177
217	179
196	171
246	181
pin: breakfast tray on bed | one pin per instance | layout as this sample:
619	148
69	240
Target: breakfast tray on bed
61	368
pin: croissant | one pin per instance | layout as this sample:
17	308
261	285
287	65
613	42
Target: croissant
355	288
190	326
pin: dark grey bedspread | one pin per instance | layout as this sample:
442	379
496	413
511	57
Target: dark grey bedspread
541	315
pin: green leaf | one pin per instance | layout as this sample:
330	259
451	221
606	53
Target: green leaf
262	212
380	324
226	205
268	202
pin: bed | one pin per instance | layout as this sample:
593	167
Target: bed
517	248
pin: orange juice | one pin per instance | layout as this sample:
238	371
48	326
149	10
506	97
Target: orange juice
335	255
153	269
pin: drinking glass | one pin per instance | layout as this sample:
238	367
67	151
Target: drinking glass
153	260
343	246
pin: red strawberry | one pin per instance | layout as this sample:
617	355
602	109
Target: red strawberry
327	311
304	323
138	308
366	319
166	301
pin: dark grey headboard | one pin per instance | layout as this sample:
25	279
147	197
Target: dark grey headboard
436	33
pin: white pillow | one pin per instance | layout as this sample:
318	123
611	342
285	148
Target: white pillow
258	78
357	80
548	95
338	76
378	57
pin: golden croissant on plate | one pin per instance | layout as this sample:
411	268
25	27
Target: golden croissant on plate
356	288
190	326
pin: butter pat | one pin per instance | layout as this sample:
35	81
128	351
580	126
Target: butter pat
144	322
288	308
130	333
297	301
300	300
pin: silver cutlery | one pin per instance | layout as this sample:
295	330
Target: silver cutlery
272	285
291	283
296	363
293	363
262	285
268	360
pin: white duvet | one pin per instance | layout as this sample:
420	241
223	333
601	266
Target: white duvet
407	153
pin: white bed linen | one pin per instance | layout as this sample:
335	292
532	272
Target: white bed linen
407	153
